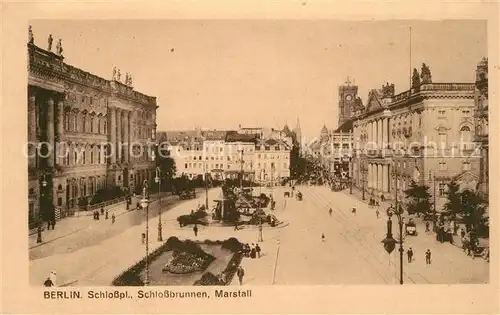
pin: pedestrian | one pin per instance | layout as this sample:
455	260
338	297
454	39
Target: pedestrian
48	283
428	257
462	233
106	217
102	210
427	226
97	215
143	238
353	210
409	252
48	224
322	237
330	211
195	230
53	223
377	213
257	249
112	218
240	274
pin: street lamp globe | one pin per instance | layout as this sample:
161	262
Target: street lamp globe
157	179
44	183
389	244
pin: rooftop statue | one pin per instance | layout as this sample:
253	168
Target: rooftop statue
31	39
426	74
50	40
118	75
114	73
59	49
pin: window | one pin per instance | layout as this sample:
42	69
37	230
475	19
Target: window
91	157
105	127
442	165
199	158
465	112
442	190
185	165
284	165
441	113
443	138
84	124
465	137
92	124
466	166
66	121
194	158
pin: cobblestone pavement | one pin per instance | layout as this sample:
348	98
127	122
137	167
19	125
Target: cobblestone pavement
294	254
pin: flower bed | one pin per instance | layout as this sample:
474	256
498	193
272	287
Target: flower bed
184	262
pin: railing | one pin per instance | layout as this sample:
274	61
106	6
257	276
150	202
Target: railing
101	204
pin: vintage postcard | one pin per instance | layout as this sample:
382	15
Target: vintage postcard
231	159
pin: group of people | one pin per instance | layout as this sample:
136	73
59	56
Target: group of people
410	253
105	213
251	251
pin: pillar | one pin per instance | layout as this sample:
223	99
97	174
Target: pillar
369	177
119	135
32	130
384	132
126	148
50	131
379	134
60	132
379	175
385	178
112	133
374	132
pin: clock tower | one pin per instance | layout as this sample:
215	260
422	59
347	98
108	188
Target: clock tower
348	94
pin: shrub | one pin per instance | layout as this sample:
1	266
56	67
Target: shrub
232	244
173	242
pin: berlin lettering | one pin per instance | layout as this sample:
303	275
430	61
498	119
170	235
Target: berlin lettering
55	295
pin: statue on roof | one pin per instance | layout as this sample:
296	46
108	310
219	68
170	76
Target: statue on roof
50	40
59	49
31	39
387	90
415	79
126	78
114	73
118	75
130	79
426	74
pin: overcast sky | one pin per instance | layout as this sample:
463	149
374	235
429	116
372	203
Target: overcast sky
264	73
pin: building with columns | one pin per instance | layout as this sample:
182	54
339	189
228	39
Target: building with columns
423	134
85	133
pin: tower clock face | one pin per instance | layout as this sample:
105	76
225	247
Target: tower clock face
348	97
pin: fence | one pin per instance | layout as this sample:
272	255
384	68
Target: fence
88	208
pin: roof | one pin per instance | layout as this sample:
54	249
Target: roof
347	126
214	134
233	136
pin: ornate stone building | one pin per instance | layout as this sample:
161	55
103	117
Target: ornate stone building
481	118
423	134
77	121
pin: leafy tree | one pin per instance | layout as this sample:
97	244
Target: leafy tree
167	168
474	212
453	206
419	198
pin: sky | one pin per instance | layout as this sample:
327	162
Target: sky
217	74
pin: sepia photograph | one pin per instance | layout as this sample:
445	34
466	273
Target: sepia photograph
258	152
257	156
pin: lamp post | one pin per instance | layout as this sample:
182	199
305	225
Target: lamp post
389	241
44	202
206	185
158	180
364	178
350	174
145	204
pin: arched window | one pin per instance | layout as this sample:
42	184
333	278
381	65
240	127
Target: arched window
443	137
92	124
73	122
84	123
66	121
105	127
465	137
98	125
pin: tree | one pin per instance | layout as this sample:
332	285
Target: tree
419	198
297	163
453	206
167	168
474	212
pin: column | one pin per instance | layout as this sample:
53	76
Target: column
379	134
112	133
60	132
50	131
32	130
385	178
379	177
384	133
370	174
126	136
118	135
374	131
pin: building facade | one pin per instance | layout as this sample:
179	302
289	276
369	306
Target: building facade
422	135
481	122
85	133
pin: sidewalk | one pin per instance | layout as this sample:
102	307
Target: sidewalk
74	224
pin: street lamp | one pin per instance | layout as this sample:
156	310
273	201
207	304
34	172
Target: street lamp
350	174
39	228
158	180
145	204
390	243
